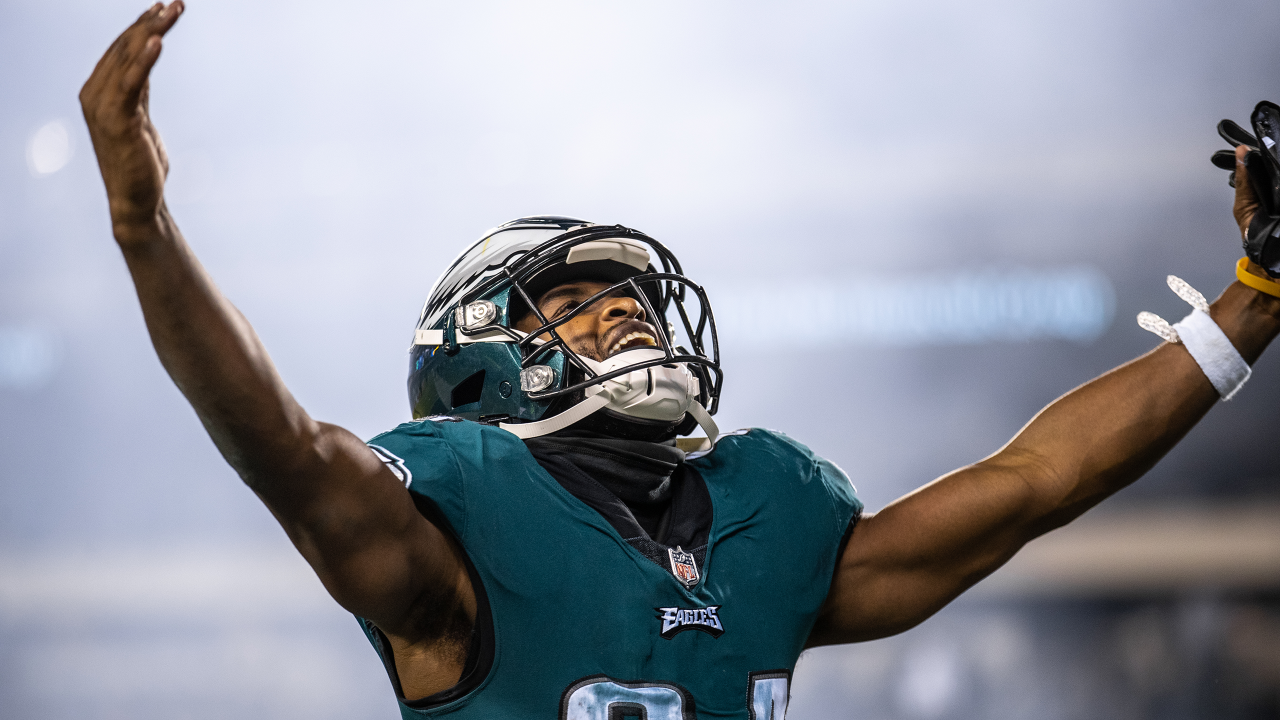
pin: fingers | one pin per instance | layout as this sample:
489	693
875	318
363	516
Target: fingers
120	74
169	16
158	18
137	71
1246	202
144	47
135	37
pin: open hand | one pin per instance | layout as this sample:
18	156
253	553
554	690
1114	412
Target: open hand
130	154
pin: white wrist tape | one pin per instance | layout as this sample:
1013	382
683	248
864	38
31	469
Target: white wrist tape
1208	345
1213	352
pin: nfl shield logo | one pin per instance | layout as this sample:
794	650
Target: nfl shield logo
683	566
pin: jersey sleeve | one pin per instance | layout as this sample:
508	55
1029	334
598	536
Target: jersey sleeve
839	487
422	454
784	457
843	494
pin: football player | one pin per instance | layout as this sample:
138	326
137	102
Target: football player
536	544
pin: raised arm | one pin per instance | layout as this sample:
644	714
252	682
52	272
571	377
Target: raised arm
906	562
348	514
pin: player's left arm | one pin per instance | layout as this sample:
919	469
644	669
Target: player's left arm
906	562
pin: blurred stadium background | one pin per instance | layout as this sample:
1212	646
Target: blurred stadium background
919	222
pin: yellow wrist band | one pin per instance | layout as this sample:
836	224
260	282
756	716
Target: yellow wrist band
1262	285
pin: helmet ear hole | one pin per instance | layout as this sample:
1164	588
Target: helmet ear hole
468	391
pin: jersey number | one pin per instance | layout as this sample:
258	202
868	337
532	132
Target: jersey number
599	698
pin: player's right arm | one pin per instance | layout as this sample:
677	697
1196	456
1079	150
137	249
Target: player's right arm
344	510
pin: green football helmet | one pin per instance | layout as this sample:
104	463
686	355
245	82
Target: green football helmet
468	360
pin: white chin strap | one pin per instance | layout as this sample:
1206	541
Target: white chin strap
705	422
524	431
662	393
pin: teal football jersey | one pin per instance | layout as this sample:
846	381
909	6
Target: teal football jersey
585	627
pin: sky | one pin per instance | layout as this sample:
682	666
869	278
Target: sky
869	161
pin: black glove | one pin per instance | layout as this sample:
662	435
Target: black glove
1262	241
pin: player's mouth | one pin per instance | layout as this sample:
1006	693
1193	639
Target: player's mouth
631	341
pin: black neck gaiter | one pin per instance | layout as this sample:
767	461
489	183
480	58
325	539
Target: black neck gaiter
644	490
636	475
